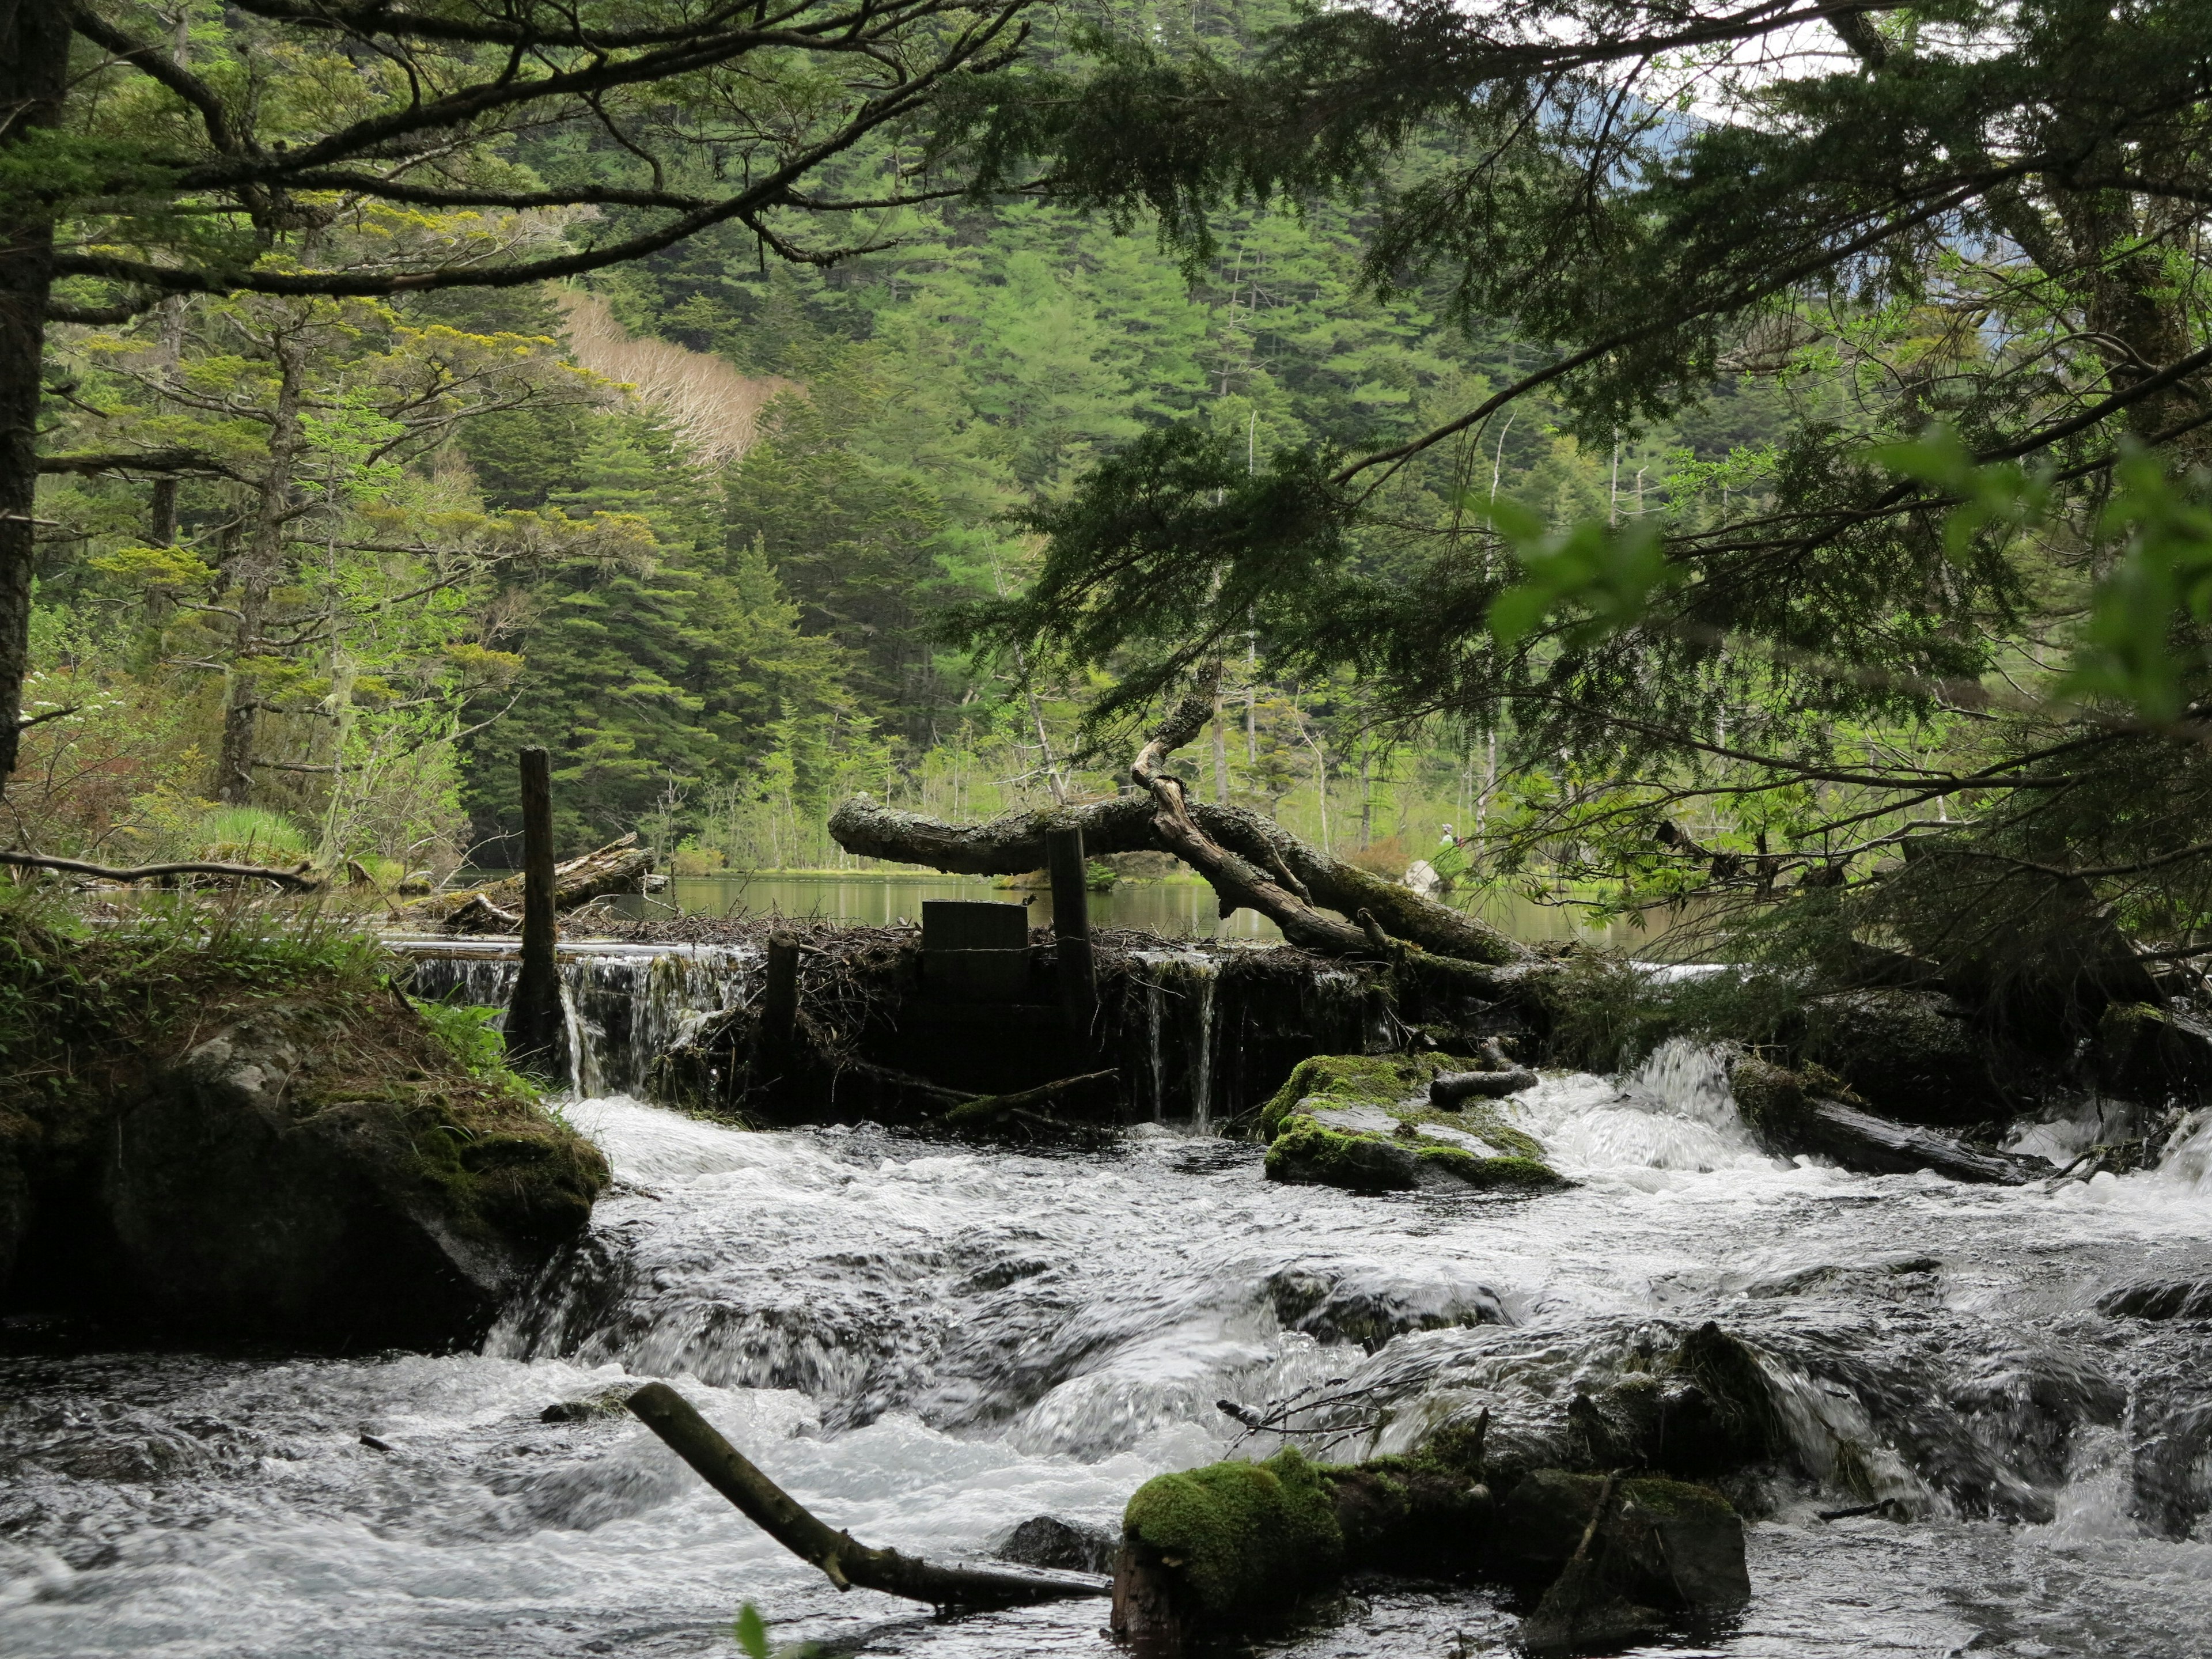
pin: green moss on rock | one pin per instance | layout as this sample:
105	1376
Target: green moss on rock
1356	1080
1245	1540
1355	1121
220	1135
1308	1154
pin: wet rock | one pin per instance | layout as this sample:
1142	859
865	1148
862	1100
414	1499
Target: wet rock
1450	1089
296	1158
2173	1464
1910	1052
1331	1311
2148	1051
1661	1544
1360	1123
1047	1540
1792	1112
2167	1299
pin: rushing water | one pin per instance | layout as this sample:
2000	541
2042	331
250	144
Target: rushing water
928	1344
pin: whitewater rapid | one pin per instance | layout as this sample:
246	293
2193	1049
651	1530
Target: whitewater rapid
927	1344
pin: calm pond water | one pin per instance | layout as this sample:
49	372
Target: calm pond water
1176	908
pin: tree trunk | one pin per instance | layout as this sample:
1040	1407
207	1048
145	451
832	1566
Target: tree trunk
34	42
1015	845
257	572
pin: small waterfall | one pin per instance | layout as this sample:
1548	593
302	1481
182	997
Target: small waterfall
625	1004
1180	1035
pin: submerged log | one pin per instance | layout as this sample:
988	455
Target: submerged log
620	866
1792	1112
1026	1106
844	1561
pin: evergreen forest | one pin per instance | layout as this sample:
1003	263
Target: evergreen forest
706	524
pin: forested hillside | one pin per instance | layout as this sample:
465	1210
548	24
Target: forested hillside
723	604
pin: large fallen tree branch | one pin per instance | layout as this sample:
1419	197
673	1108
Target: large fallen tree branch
844	1562
1267	856
620	866
1237	881
296	880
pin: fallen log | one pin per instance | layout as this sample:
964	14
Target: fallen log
1022	1106
1450	1089
1237	881
299	879
843	1560
620	866
1793	1113
1015	845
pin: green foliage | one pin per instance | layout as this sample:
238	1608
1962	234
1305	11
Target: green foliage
471	1034
1609	575
752	1632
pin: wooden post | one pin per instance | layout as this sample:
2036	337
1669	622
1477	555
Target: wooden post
534	1024
1070	927
780	1000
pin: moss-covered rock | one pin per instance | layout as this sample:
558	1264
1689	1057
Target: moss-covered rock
213	1138
1235	1548
1238	1543
1363	1122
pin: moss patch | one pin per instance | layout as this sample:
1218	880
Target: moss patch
1310	1154
1392	1156
278	1088
1356	1080
1245	1539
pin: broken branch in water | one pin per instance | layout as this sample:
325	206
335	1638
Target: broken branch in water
992	1109
843	1561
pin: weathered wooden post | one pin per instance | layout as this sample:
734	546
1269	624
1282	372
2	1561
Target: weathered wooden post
779	1000
534	1021
1070	927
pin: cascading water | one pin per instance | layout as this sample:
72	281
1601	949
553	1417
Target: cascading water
1180	988
626	1005
929	1345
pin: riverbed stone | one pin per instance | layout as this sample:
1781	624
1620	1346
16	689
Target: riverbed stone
1364	1123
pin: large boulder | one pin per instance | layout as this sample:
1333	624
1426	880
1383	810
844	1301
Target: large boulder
1234	1548
1366	1123
304	1161
1909	1052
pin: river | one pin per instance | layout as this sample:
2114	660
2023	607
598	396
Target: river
928	1344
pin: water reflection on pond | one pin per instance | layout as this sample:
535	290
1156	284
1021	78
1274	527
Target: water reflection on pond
1181	908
